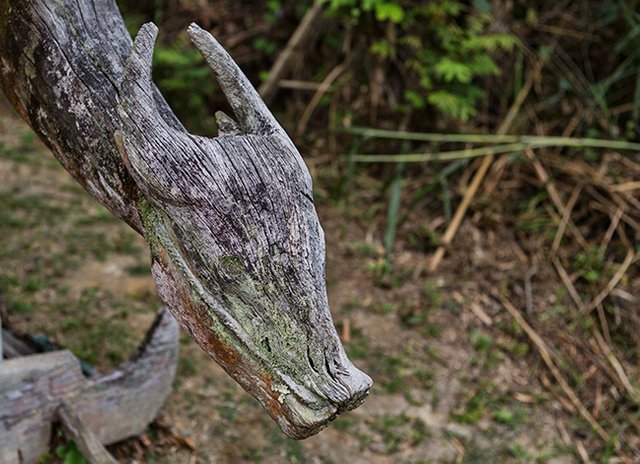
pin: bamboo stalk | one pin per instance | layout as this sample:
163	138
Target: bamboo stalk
370	132
507	146
442	156
452	229
538	140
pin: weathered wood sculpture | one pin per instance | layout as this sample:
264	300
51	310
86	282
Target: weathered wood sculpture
114	406
237	249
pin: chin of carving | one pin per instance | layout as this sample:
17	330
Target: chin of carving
238	251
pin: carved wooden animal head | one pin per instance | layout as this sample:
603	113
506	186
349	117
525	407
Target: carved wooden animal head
238	251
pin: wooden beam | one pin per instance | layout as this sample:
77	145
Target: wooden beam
86	441
14	346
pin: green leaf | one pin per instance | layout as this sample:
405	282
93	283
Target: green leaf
482	64
337	4
483	6
451	70
441	9
412	41
368	5
415	99
264	45
391	11
384	48
74	457
452	105
490	42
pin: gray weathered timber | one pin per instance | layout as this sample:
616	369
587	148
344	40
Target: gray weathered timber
113	406
236	238
14	346
87	442
237	249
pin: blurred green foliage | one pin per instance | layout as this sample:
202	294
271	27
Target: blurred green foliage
442	46
186	81
439	58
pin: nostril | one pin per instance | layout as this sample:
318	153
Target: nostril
358	383
329	370
311	363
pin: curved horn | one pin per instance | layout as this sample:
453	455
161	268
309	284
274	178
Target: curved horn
145	136
252	114
136	94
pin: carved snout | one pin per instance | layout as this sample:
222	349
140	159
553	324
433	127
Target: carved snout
290	359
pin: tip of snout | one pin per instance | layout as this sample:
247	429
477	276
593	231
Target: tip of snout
306	419
359	393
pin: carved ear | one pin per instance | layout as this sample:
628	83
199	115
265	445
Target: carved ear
152	150
148	145
136	87
252	114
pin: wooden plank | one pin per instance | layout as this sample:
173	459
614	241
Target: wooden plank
122	403
30	390
86	441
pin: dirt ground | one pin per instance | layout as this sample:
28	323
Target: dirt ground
456	380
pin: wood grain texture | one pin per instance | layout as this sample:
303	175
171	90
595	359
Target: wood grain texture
237	249
113	406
